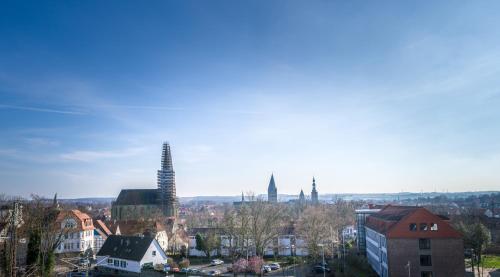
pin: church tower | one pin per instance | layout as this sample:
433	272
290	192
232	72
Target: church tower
272	191
166	183
314	193
302	197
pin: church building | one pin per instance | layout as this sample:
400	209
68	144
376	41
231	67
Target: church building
144	204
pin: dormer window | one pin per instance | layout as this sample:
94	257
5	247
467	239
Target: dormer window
434	227
413	227
423	227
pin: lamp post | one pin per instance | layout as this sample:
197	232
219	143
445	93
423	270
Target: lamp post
323	254
408	265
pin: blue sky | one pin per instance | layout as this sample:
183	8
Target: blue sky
368	96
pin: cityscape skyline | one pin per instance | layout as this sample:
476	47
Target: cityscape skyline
366	97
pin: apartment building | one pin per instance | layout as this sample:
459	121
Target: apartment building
411	241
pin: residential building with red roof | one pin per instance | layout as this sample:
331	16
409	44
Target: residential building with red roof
410	240
77	230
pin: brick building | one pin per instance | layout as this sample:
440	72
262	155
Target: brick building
411	241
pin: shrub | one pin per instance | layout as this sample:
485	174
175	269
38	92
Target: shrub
184	263
240	266
255	264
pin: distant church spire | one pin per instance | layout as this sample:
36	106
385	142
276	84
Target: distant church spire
314	193
55	202
302	197
166	183
272	191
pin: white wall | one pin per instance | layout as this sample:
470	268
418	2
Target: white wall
76	241
162	239
135	266
159	258
132	266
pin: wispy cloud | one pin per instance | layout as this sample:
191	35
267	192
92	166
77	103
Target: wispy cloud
139	107
37	141
88	156
43	110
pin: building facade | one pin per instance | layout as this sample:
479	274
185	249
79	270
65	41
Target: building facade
407	240
361	215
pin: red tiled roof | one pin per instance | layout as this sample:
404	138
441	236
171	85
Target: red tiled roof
394	222
84	220
103	227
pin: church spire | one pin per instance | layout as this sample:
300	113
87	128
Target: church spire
272	191
166	157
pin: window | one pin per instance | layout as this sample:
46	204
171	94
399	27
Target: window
110	261
426	274
123	264
153	253
424	243
423	227
413	227
425	260
434	227
116	263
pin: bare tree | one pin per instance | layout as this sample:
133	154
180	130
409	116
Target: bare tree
42	226
266	221
314	227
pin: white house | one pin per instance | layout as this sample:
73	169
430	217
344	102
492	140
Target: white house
301	247
129	254
349	232
77	230
285	245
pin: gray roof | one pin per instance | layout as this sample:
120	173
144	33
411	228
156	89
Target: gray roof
137	197
125	247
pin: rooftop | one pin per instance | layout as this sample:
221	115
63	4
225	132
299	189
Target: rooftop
125	247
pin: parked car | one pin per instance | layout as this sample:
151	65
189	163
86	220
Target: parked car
166	268
84	262
216	262
194	270
175	269
325	264
184	270
320	269
214	273
266	268
274	266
